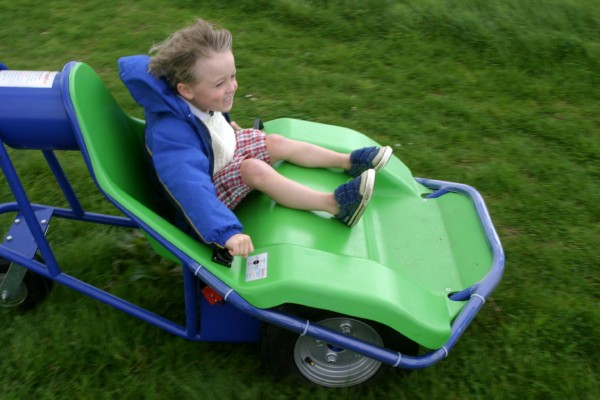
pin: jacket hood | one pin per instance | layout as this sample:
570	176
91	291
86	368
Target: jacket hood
154	94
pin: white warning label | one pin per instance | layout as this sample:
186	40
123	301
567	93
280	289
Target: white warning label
28	79
256	267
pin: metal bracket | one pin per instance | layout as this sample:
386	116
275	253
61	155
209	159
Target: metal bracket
20	240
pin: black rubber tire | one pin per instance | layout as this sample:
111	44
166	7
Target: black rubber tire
35	289
278	347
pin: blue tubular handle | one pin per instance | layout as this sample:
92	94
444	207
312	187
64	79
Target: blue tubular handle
487	285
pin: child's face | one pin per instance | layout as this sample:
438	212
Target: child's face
217	85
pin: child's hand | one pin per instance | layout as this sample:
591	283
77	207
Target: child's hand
235	126
239	245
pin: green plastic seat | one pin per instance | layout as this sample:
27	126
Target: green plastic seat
396	266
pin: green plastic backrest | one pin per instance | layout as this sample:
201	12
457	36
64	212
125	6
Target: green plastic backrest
114	142
117	155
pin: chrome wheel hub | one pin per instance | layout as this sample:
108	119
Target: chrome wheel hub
331	366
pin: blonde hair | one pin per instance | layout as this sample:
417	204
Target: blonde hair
175	58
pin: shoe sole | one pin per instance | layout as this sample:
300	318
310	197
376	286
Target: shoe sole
387	154
366	189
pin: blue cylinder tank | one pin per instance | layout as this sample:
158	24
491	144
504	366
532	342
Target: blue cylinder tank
32	110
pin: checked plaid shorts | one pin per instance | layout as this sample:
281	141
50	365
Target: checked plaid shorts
250	143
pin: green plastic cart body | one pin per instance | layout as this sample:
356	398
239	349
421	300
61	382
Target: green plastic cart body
397	266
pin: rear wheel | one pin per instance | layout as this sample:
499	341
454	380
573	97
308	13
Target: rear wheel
323	364
32	291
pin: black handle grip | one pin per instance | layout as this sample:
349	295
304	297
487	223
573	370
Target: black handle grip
222	256
258	124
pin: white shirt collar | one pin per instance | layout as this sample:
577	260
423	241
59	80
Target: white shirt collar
202	116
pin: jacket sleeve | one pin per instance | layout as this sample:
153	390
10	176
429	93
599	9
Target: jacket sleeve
183	168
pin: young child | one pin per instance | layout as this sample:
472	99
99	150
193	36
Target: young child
207	163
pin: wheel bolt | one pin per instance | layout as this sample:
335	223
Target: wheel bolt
346	328
331	358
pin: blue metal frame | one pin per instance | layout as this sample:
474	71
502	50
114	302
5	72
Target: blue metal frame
19	251
474	295
237	310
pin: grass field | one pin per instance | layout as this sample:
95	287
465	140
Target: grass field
503	96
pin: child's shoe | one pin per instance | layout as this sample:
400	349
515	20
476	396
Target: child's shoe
354	196
369	158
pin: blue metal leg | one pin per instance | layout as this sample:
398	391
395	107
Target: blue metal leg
19	240
63	182
26	210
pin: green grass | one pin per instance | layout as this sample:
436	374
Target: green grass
503	96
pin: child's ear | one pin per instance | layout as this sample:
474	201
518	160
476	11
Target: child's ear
185	91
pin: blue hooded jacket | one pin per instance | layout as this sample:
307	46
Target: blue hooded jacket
181	151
